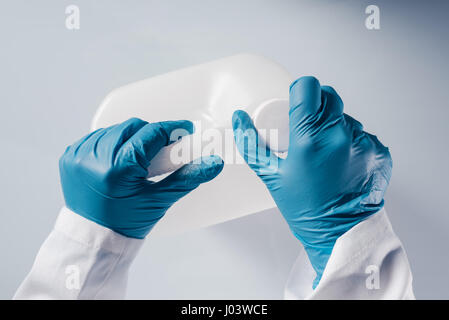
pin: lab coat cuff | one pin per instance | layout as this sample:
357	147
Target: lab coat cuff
368	251
370	245
361	240
95	236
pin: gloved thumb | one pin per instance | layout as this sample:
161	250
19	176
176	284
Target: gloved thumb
256	153
189	177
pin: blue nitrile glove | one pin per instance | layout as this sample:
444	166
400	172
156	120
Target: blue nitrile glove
103	175
334	176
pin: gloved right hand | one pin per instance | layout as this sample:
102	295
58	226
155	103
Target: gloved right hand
103	175
335	174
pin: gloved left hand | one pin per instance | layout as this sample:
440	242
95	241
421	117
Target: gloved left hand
103	175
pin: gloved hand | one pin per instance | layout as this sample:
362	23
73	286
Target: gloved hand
103	175
334	176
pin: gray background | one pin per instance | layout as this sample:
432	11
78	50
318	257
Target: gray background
393	80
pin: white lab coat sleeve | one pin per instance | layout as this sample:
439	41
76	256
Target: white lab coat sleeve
367	262
80	260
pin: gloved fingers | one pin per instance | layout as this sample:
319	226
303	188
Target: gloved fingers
382	152
333	103
107	141
152	137
378	160
305	102
380	166
255	153
355	125
75	147
365	140
119	134
356	128
187	178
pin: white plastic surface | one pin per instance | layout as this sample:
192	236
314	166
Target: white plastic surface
206	94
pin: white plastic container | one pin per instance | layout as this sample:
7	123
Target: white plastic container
208	94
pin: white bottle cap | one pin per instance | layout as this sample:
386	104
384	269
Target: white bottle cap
271	120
